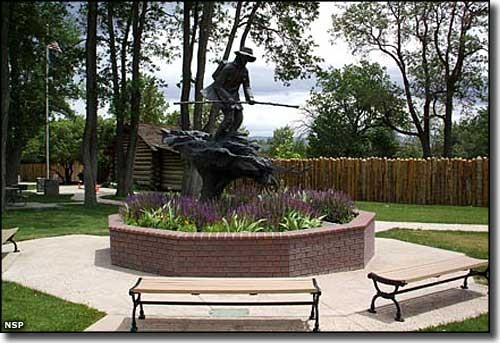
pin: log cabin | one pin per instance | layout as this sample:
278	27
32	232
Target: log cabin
157	167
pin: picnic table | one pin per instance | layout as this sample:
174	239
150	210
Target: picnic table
14	194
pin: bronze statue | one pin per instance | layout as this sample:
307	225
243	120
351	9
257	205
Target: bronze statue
225	91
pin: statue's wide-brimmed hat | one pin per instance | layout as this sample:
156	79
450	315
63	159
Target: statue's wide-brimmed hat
244	51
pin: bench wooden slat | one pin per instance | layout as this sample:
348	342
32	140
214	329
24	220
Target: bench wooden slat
432	269
6	234
224	285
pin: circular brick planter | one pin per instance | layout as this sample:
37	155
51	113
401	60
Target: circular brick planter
330	248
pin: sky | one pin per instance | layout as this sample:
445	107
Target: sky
262	120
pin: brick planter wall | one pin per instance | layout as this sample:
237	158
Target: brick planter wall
331	248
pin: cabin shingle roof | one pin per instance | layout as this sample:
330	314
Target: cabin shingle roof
152	135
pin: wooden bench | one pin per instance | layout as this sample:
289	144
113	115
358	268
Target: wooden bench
8	236
250	286
402	276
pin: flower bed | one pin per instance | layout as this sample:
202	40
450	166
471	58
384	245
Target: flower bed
329	248
251	234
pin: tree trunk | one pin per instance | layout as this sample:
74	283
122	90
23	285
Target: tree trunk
186	65
13	159
191	180
122	188
68	173
426	146
90	134
135	100
5	91
249	24
448	125
205	28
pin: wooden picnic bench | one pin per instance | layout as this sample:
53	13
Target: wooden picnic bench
250	286
400	277
8	236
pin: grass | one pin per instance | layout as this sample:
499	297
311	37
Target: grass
426	213
474	244
42	312
66	220
476	324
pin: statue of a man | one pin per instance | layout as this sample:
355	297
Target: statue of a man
227	81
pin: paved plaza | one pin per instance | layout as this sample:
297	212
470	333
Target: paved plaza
78	268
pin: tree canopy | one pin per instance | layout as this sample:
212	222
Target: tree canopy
284	145
439	49
347	109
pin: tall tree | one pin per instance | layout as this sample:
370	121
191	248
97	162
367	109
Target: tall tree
430	43
460	39
28	32
188	39
205	28
118	70
119	82
138	19
5	99
90	133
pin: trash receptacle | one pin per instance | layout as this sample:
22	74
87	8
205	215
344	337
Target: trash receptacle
40	185
51	187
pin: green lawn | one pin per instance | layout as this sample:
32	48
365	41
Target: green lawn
480	323
70	219
474	244
426	213
43	312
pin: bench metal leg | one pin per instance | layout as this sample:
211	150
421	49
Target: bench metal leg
398	318
133	327
141	312
386	295
311	317
485	274
316	313
11	239
372	306
465	286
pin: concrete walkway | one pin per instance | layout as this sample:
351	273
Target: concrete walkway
49	265
79	194
384	226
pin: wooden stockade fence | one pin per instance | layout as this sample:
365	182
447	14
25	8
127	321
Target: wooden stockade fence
414	181
30	171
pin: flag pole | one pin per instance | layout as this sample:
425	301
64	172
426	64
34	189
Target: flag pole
47	150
